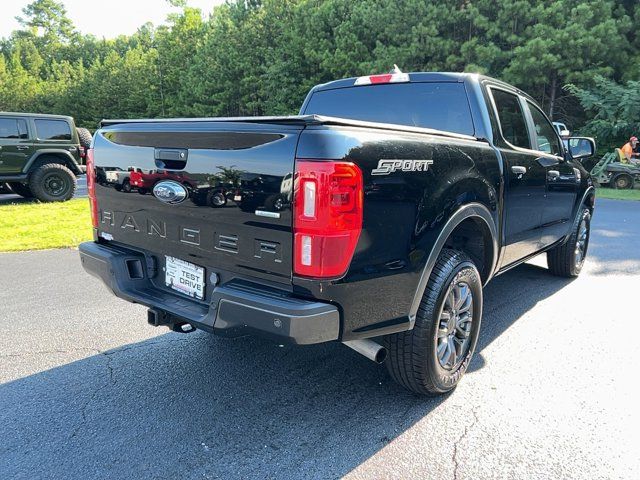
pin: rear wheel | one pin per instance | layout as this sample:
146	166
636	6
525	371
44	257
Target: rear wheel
126	186
52	182
566	260
622	181
217	199
431	358
21	189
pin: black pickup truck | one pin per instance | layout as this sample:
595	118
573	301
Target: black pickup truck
372	218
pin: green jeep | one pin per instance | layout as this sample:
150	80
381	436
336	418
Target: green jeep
41	155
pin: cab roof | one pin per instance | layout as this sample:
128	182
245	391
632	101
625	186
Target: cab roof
455	77
37	115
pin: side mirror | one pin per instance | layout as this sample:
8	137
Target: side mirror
581	147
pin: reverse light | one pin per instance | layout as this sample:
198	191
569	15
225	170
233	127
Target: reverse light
327	208
309	200
91	188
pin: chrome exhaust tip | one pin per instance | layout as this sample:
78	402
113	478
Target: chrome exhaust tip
370	349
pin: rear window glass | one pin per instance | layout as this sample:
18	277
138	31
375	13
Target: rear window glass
53	130
438	105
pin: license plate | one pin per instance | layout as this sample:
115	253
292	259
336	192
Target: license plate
184	277
237	198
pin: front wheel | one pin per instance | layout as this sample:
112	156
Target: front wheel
432	358
566	260
52	182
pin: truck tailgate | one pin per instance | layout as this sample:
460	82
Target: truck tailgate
235	220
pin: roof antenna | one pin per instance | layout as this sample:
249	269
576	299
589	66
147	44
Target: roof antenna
395	69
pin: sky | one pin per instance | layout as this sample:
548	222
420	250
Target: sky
103	18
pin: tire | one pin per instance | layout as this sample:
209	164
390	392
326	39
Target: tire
21	189
217	199
52	182
85	137
566	260
143	191
126	186
275	203
622	181
416	357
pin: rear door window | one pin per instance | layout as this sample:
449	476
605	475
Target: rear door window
53	130
512	120
437	105
9	128
546	138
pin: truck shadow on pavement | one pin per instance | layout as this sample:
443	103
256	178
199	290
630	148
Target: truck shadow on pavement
198	406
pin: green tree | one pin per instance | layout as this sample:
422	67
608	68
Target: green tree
615	110
570	41
254	57
46	26
177	44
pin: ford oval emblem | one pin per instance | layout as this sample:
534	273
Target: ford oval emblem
171	192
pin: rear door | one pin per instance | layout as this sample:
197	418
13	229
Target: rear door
562	178
524	177
55	133
236	218
15	145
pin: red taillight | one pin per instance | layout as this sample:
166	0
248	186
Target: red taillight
91	188
327	209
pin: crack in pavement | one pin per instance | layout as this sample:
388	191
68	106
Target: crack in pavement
83	409
112	380
108	354
467	428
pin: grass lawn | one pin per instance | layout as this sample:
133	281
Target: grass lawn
618	194
35	226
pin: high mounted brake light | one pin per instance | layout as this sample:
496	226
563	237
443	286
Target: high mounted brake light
91	188
395	76
327	209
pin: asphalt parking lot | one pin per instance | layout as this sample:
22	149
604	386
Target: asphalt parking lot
88	390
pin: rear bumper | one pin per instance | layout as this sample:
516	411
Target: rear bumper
235	309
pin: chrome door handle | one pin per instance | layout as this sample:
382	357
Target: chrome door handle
518	170
22	147
553	174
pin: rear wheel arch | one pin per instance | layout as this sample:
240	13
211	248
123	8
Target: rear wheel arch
470	229
47	157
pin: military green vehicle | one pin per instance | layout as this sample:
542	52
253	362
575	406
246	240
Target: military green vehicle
41	155
613	171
